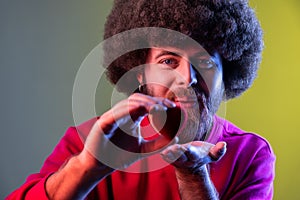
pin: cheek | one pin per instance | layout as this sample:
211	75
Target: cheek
213	79
159	88
158	80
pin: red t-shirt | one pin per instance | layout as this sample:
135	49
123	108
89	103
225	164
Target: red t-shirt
245	172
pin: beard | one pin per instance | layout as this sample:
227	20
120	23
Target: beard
199	116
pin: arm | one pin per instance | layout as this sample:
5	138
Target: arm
118	127
195	185
246	172
62	156
114	142
76	178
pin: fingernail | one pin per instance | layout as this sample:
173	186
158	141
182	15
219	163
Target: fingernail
169	103
158	107
222	151
162	108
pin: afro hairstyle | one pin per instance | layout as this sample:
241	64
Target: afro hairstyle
229	27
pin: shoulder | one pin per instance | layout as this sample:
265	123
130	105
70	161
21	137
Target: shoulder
249	164
247	169
238	138
84	128
74	137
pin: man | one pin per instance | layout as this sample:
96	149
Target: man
213	57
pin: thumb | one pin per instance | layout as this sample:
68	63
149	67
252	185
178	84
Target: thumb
218	151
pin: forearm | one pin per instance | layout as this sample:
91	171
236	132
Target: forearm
196	185
76	178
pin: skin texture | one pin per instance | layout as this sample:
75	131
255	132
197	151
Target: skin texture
170	72
189	77
82	172
119	126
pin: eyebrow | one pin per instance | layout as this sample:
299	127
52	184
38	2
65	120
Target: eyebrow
164	53
198	54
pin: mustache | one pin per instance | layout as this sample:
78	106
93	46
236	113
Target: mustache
190	93
199	117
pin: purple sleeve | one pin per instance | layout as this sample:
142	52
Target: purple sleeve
247	169
257	180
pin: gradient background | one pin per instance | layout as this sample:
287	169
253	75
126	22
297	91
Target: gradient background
43	43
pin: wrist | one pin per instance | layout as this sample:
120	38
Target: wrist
195	183
200	171
87	162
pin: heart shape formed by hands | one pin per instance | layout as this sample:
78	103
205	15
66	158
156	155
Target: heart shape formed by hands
168	123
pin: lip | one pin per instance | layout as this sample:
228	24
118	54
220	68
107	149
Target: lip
186	102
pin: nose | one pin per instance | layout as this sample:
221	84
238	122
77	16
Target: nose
186	75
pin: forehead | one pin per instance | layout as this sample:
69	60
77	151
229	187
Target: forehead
184	52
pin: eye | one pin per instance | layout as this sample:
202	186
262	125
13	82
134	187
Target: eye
170	62
205	63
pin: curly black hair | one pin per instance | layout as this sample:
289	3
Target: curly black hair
229	27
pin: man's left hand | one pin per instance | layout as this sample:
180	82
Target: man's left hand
193	155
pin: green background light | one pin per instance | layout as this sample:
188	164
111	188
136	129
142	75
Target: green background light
43	43
271	107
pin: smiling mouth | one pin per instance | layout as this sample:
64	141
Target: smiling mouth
187	102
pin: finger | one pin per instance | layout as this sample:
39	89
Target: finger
194	154
182	161
218	151
168	103
138	109
106	123
134	108
174	153
138	105
153	100
197	149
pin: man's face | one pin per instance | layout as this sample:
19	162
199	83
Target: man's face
191	78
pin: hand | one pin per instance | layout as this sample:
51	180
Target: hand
192	156
115	139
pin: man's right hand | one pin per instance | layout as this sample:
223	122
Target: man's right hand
114	142
115	139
